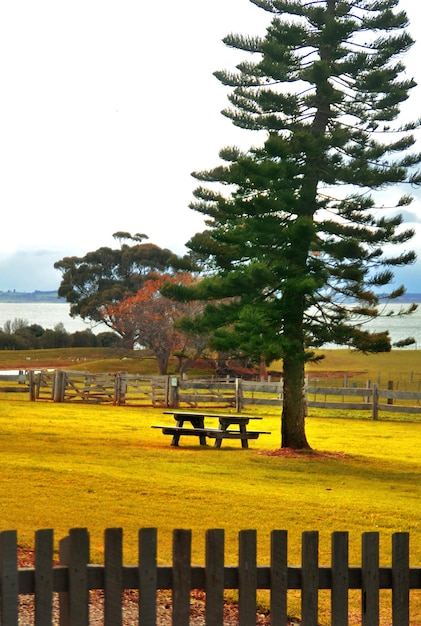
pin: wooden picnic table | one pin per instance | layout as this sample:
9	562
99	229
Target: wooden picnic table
197	427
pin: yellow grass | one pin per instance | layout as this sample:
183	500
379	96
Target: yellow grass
65	466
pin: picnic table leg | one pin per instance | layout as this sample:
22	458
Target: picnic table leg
199	422
223	425
176	438
218	442
196	422
244	442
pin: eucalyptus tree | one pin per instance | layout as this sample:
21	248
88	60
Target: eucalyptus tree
109	275
296	236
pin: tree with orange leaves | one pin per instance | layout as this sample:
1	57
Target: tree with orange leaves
150	320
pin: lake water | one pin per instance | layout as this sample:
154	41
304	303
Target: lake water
50	314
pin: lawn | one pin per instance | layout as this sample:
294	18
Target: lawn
65	466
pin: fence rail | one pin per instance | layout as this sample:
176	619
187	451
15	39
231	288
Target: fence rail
20	381
74	577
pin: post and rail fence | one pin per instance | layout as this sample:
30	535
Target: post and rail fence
172	392
61	591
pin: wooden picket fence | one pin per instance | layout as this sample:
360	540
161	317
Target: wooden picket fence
69	583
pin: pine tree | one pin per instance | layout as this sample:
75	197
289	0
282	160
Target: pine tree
294	238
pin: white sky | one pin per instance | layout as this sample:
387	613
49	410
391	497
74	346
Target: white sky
107	106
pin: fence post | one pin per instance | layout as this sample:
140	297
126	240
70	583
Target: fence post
278	577
148	576
340	579
9	578
58	386
238	395
113	576
375	401
247	578
368	386
390	388
117	389
74	604
44	577
173	395
370	579
181	577
310	578
400	579
31	383
214	577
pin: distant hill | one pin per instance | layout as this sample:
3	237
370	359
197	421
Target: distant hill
13	297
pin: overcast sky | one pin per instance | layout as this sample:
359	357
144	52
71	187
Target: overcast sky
106	109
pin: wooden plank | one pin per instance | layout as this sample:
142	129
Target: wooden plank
399	409
340	391
261	402
340	579
400	579
9	582
78	577
181	577
148	576
247	578
279	578
310	578
44	541
346	406
113	576
214	577
63	596
370	579
400	395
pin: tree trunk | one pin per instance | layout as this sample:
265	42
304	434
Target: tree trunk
294	406
162	362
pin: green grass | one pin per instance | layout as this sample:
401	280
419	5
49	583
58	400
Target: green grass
65	466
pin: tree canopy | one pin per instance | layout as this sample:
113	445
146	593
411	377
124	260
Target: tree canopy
151	320
106	276
295	239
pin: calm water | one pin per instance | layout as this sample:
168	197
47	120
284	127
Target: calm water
49	315
46	314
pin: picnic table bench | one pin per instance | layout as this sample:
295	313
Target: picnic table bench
198	429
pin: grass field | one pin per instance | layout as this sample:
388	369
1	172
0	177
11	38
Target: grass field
397	364
64	466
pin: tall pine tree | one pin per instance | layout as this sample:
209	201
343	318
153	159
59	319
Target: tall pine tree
294	244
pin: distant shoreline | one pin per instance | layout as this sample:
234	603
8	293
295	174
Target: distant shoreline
13	297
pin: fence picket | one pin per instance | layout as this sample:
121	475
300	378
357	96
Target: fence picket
370	579
310	578
75	550
113	576
9	583
400	579
215	577
340	579
279	578
44	582
148	576
247	578
181	577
